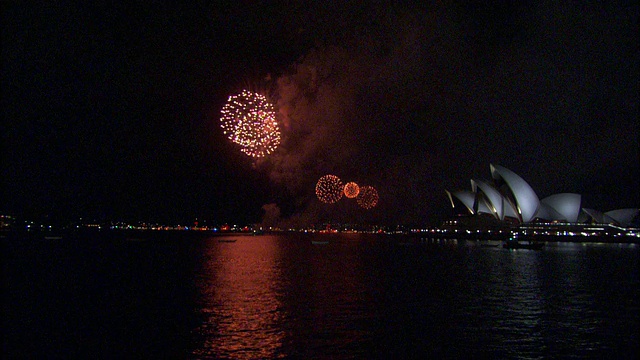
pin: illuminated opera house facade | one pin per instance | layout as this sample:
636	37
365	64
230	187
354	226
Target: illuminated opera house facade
508	202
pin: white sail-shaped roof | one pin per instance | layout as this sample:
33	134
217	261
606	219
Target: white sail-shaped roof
493	196
623	216
583	217
547	212
595	214
527	201
485	208
509	209
567	204
466	197
512	197
500	206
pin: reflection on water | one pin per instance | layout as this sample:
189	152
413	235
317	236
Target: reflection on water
240	299
370	297
281	296
273	297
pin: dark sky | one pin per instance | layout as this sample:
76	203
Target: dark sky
112	112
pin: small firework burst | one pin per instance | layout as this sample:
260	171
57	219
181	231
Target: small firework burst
329	189
351	190
368	197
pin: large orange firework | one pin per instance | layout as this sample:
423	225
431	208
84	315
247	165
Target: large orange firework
368	197
329	189
249	120
351	190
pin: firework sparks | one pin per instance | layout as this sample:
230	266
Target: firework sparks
351	190
249	120
329	189
368	197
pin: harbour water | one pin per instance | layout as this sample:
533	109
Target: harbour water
348	296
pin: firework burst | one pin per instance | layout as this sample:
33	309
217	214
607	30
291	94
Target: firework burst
351	190
329	189
368	197
249	120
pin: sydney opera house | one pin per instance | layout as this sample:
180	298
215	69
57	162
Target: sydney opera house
507	201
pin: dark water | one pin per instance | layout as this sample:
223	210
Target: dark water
358	297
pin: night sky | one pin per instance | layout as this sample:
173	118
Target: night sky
112	112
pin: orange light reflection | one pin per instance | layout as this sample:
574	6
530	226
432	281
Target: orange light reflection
241	299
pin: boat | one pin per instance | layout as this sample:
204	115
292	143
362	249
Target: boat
512	244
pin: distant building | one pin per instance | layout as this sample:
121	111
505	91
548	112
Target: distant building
507	200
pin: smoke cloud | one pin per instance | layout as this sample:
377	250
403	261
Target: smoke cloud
419	101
